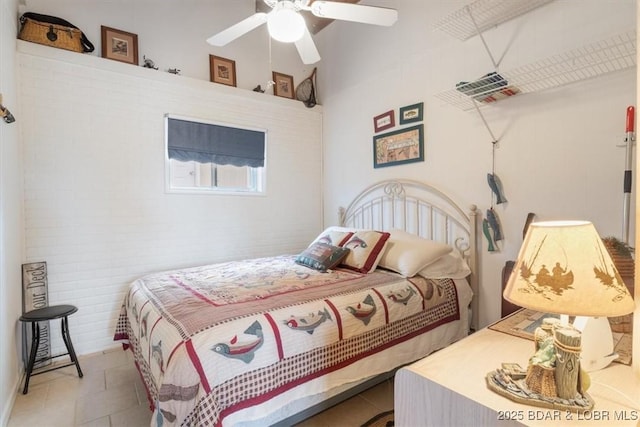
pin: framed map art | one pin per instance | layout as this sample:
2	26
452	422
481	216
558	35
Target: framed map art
398	147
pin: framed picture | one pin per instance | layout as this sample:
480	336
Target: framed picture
119	45
398	147
222	70
283	85
384	121
411	113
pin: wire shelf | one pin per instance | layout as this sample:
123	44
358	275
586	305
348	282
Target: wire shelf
481	15
487	14
603	57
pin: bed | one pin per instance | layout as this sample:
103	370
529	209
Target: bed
271	341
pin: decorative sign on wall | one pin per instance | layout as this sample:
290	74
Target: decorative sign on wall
34	296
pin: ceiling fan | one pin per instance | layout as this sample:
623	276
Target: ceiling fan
285	23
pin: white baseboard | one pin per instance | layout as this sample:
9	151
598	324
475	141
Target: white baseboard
8	406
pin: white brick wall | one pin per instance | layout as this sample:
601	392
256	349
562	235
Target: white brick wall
95	205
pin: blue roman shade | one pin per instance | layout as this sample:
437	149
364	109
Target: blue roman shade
210	143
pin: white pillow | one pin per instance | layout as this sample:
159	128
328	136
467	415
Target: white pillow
407	254
450	266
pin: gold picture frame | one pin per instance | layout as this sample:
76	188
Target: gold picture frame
222	70
283	85
119	45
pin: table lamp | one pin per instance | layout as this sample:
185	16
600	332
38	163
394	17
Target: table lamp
564	268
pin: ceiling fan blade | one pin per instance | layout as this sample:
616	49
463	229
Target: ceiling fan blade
307	49
237	30
354	12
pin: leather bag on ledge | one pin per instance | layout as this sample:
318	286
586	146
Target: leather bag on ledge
53	31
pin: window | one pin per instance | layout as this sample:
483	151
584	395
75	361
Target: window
208	157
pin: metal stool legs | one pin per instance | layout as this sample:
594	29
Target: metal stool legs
67	342
35	342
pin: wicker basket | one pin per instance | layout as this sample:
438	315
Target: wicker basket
51	35
625	265
541	380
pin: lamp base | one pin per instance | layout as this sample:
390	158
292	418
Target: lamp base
516	390
597	342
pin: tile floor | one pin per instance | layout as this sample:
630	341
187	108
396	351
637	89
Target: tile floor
111	395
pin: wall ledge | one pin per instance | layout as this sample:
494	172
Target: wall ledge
99	63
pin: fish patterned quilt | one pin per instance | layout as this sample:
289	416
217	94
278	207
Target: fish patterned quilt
212	340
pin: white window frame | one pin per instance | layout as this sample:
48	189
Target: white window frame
261	172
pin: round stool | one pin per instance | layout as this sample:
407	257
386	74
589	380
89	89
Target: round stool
41	315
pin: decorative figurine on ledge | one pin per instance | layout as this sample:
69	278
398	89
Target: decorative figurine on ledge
148	63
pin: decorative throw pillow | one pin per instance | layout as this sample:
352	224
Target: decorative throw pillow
334	235
322	256
450	266
407	254
366	248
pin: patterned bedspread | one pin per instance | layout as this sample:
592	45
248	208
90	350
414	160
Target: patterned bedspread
211	340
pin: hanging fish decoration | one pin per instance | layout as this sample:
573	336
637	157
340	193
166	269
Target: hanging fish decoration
487	234
496	187
494	224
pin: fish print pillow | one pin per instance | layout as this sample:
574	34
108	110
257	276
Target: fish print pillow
336	236
322	256
366	248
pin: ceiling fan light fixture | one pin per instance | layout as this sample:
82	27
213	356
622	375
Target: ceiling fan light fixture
285	24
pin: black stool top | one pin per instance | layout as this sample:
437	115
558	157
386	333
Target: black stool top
48	313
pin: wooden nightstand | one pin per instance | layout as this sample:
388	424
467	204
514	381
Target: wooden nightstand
448	388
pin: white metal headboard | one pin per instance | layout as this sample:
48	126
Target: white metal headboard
419	209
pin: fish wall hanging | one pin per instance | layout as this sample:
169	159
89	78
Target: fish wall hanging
487	233
496	187
494	223
491	227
